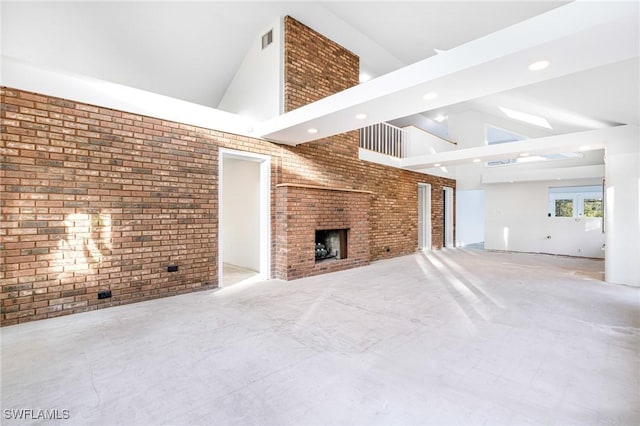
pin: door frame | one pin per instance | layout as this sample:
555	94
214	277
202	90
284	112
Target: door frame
449	209
265	208
425	225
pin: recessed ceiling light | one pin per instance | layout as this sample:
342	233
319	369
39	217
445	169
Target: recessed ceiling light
437	165
429	96
441	118
364	77
476	160
312	130
524	154
584	148
361	116
539	65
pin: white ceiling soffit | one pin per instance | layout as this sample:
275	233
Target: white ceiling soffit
93	91
572	142
561	173
575	37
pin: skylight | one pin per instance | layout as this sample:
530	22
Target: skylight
495	135
527	118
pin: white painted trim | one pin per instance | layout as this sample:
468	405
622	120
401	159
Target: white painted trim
265	208
449	215
425	228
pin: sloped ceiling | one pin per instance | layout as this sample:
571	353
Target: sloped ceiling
575	38
191	50
182	50
412	30
597	98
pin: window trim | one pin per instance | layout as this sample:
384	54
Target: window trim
578	198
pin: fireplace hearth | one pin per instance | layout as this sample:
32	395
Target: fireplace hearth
331	244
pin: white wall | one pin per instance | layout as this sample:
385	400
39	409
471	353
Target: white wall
622	215
419	142
241	213
469	217
256	89
516	220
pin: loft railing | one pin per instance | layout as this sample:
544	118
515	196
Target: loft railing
384	139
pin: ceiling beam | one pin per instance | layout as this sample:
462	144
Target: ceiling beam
596	171
574	38
589	140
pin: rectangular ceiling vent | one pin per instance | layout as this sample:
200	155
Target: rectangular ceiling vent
267	39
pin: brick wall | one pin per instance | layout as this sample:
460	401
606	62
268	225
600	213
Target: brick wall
97	199
303	210
316	67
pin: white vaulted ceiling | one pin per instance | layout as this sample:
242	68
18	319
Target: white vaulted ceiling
575	38
192	50
412	31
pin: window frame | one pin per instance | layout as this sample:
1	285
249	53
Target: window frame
578	198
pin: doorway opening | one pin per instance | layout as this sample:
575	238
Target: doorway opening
447	217
424	216
244	233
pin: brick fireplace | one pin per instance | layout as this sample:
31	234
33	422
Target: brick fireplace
305	213
51	269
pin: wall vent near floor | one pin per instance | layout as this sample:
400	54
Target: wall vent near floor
267	39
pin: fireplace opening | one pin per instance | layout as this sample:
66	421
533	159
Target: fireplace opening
331	244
